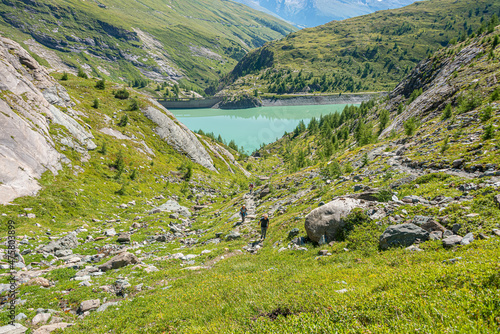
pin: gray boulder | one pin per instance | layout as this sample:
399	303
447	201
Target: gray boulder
467	239
118	261
88	305
123	237
328	219
233	236
403	235
173	206
452	241
52	327
69	241
13	329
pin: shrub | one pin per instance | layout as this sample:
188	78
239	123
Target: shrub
469	102
133	176
104	148
447	112
445	145
134	105
101	84
364	160
64	76
122	94
122	190
95	105
489	132
82	74
332	170
410	126
486	114
189	172
495	95
348	168
123	121
384	195
384	120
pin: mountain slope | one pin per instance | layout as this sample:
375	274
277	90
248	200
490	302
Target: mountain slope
369	53
145	258
160	40
311	13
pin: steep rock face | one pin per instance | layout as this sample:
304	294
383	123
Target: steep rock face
178	135
432	76
26	148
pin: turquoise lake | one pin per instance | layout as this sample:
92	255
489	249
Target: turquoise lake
250	128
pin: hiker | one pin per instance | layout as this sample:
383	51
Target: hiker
264	223
251	187
243	213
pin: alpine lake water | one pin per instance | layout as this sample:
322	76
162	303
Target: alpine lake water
250	128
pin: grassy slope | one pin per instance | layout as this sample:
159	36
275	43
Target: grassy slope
394	291
226	28
387	43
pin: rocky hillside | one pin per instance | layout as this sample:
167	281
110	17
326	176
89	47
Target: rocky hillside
369	53
311	13
383	218
195	40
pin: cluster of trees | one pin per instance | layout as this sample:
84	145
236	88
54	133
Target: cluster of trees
285	81
231	144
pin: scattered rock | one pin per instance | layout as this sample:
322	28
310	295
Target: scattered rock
40	281
104	306
118	261
89	305
403	235
63	252
40	318
52	327
173	206
13	329
233	236
452	241
323	252
467	239
123	237
451	261
293	233
455	228
69	241
110	232
457	163
436	235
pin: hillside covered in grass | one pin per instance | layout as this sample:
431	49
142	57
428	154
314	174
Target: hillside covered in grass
384	218
362	54
159	40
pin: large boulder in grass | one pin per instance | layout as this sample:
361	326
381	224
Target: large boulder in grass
403	235
328	220
119	261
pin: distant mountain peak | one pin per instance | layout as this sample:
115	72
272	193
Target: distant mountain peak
309	13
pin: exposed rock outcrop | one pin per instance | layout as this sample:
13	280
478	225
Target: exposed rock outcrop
178	135
29	95
435	85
